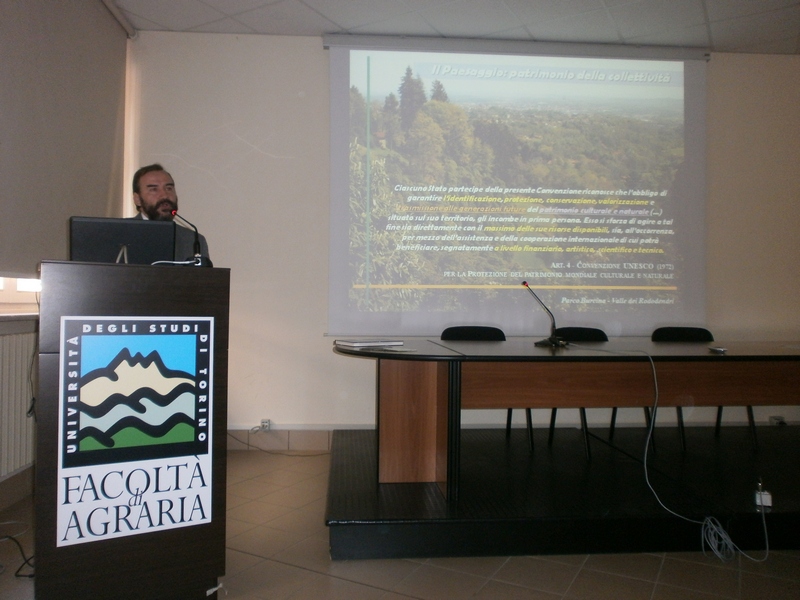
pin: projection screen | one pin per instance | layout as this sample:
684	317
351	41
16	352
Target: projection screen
457	174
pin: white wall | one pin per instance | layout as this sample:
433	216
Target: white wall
242	123
754	194
62	83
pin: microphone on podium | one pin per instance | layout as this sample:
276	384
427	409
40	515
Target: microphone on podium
552	341
198	258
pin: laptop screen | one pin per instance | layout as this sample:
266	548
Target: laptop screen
131	241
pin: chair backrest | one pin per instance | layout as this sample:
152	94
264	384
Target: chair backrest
581	334
474	333
682	334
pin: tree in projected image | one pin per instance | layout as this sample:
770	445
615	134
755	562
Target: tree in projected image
414	144
374	262
412	98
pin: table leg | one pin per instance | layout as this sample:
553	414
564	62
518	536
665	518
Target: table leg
453	429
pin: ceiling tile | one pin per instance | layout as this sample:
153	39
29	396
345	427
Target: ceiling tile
142	24
470	18
719	10
176	15
425	4
408	24
546	10
358	12
652	16
771	26
594	27
288	17
226	25
234	7
739	33
695	36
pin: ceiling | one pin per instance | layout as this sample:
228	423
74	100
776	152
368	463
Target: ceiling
750	26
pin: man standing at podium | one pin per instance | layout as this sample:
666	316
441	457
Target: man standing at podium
157	200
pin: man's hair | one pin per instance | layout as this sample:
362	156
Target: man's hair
143	171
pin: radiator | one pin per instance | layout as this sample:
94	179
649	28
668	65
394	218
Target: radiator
16	429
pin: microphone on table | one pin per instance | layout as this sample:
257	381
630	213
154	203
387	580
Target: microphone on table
198	258
552	341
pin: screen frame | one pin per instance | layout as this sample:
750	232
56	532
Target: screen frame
342	321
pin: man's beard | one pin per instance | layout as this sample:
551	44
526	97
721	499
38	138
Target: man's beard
154	213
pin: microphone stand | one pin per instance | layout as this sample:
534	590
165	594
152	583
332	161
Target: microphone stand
199	259
553	341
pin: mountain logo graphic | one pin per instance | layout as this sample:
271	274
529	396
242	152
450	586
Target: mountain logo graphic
134	389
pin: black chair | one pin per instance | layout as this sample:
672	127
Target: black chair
696	334
483	333
576	335
581	334
474	333
682	334
670	334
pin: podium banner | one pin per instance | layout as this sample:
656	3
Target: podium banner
134	426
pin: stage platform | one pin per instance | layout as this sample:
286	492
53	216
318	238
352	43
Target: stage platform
554	501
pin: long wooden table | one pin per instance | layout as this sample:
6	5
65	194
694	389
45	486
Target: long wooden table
422	388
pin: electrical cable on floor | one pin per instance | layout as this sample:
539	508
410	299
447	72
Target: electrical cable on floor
26	561
214	590
713	535
299	453
30	413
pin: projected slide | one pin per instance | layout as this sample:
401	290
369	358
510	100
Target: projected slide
471	173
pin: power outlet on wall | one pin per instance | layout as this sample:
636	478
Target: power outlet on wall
265	425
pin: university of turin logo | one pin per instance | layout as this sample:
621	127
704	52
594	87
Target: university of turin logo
134	389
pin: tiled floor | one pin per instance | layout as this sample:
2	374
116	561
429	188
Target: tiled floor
278	549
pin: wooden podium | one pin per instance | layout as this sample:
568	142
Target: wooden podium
131	431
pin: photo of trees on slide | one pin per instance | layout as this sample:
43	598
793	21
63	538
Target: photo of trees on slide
471	173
